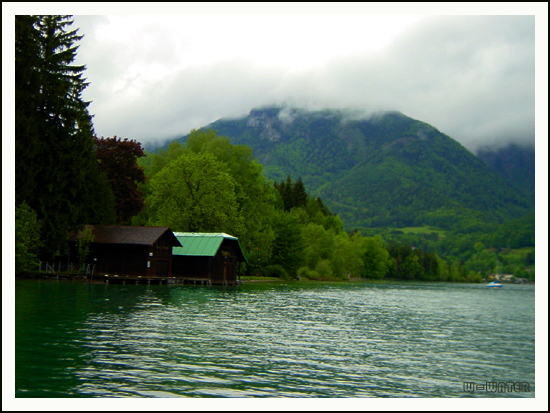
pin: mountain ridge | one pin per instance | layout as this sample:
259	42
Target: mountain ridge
513	162
383	170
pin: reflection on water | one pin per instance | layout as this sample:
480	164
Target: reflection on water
273	340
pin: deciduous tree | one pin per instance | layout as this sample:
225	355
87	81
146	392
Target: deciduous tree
195	193
117	158
255	196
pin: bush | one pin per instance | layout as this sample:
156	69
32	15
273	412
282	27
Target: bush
322	272
306	274
27	239
275	271
324	269
85	239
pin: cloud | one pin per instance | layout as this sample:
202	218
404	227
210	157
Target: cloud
472	77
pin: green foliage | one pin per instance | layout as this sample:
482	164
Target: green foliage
348	255
403	169
515	163
85	239
319	244
304	273
324	269
277	271
117	159
384	171
288	244
293	194
409	262
27	239
154	162
255	197
56	172
376	258
27	118
379	174
305	240
194	193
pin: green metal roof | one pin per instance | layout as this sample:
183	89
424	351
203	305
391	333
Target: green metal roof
200	244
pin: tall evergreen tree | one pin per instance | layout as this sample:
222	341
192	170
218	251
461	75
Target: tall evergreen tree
293	194
299	195
27	90
288	246
56	170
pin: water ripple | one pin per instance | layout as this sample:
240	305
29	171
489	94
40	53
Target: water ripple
279	341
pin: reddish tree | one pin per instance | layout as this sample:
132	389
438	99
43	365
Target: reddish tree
118	159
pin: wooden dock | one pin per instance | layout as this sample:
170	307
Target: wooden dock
129	279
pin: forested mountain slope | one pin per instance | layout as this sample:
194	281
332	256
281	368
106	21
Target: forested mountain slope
514	163
385	170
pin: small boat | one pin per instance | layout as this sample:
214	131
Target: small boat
496	283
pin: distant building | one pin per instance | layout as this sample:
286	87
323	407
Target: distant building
508	278
522	281
210	257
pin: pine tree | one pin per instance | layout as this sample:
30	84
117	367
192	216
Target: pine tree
56	170
27	89
299	195
293	193
288	246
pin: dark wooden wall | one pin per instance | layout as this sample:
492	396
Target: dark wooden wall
132	260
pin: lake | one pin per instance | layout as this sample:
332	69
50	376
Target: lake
292	340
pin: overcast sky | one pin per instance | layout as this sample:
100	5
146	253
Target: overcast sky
154	77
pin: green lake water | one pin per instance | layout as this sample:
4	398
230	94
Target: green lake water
76	339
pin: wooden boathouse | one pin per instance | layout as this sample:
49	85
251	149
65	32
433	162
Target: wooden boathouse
157	255
125	251
211	258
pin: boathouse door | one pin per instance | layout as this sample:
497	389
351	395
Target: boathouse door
161	268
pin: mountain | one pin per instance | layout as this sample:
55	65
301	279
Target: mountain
514	163
384	170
